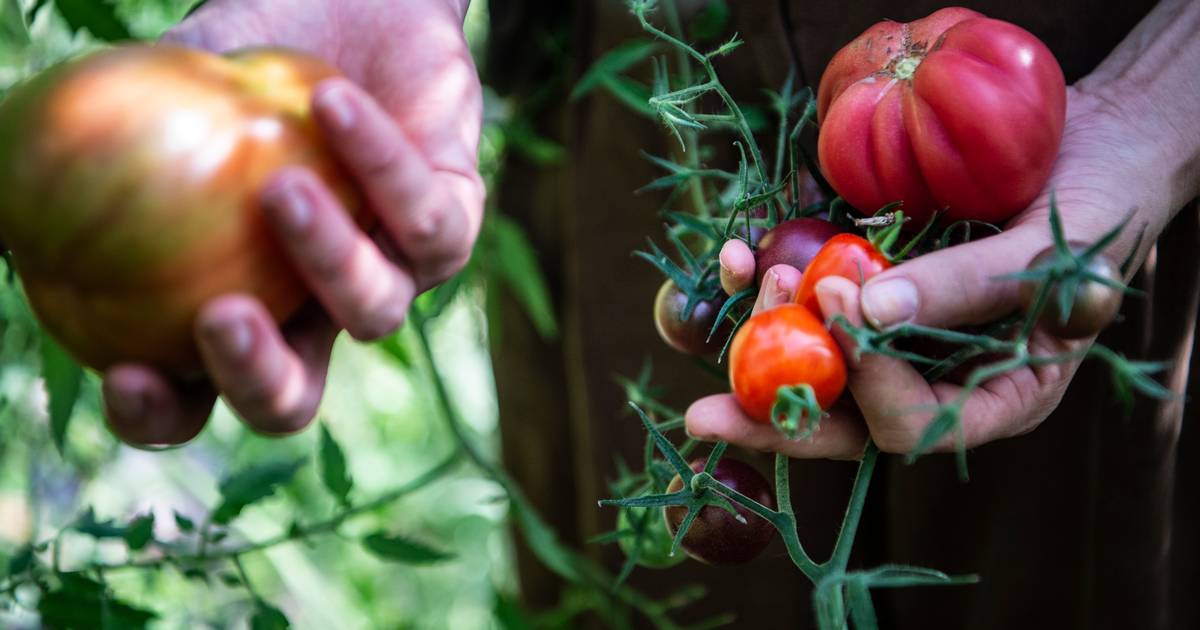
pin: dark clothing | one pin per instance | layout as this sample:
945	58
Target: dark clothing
1089	521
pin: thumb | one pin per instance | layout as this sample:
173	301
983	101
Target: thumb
955	286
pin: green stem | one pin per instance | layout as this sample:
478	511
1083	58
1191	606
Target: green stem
690	136
858	498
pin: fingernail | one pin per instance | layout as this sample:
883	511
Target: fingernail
232	338
770	289
292	206
335	103
830	300
890	302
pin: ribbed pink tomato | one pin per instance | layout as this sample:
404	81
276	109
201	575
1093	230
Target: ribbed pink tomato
955	111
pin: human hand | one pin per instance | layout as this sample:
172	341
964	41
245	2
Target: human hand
405	124
956	287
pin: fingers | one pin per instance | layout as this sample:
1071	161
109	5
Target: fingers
432	215
778	287
737	266
273	386
146	410
362	291
954	286
719	418
897	402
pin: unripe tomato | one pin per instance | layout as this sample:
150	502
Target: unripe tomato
793	242
953	111
716	536
129	185
846	255
785	346
654	550
1094	305
688	335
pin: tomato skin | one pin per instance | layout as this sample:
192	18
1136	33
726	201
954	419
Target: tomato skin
129	185
1094	306
794	243
787	345
975	128
690	335
845	255
716	537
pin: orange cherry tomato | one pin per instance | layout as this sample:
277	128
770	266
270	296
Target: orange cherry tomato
846	255
785	346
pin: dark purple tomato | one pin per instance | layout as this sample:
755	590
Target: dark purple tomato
688	335
793	242
1095	304
716	537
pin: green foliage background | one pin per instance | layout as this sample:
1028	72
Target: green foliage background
438	558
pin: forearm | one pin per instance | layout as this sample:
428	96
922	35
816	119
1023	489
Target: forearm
1151	82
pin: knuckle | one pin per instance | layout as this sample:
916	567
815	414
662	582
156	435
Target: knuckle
894	442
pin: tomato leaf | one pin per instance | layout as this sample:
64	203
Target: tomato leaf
514	261
63	378
710	22
612	63
267	617
403	550
98	17
14	33
252	485
140	532
185	524
87	524
80	602
333	468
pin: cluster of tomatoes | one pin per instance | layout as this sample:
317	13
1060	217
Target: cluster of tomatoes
955	117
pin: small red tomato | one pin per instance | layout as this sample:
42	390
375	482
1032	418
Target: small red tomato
846	255
955	110
784	346
716	536
792	243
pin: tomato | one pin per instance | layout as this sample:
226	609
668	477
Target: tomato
1093	307
716	536
129	185
688	335
793	242
785	346
846	255
654	545
953	111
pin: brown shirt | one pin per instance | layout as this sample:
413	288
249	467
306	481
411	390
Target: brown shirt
1089	521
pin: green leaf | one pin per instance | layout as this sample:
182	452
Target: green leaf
63	378
509	615
267	617
514	260
14	34
232	580
612	63
21	562
252	485
185	524
99	17
710	22
403	550
82	603
524	140
333	468
87	524
633	94
140	532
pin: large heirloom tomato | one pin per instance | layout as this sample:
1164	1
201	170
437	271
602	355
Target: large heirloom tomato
129	185
954	111
785	346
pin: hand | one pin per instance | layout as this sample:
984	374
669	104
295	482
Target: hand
406	127
957	287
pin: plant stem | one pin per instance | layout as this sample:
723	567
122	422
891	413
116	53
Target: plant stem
690	137
858	497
